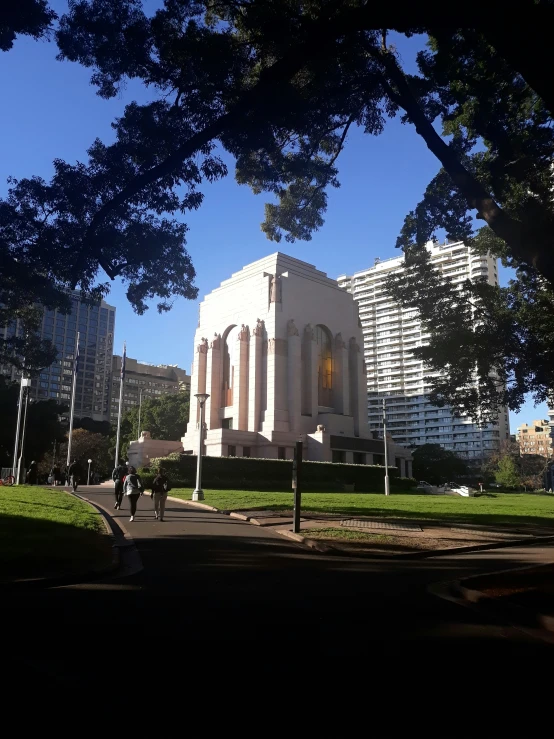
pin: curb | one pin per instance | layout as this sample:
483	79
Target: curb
423	554
74	578
311	543
515	613
534	624
426	553
203	506
329	548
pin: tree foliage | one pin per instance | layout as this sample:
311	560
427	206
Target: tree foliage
507	472
86	445
43	425
165	417
279	85
25	17
436	465
511	468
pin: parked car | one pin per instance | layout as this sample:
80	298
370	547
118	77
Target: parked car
422	485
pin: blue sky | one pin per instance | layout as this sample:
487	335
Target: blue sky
50	110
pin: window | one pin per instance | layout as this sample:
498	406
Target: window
232	450
227	423
338	456
359	458
325	367
281	452
246	451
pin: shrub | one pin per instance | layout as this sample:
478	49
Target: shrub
248	473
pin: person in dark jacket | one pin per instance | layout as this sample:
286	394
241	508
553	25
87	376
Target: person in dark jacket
160	489
56	474
118	475
74	474
32	474
133	489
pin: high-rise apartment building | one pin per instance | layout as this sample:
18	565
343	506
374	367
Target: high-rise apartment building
96	325
152	380
390	336
535	439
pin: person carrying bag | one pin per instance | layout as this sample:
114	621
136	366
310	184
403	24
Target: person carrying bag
160	489
133	489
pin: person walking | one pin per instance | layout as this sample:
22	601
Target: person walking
56	474
133	489
32	474
160	489
118	476
74	474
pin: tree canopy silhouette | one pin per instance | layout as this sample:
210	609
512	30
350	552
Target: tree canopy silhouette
279	85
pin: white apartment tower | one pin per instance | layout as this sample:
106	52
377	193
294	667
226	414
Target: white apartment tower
391	334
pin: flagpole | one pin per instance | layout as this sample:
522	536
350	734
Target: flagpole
121	382
75	368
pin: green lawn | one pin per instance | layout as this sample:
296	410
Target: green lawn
495	508
46	532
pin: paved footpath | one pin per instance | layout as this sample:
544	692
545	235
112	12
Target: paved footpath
209	579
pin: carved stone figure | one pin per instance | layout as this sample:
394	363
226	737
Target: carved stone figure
291	328
216	342
244	333
275	289
339	343
309	331
258	329
202	348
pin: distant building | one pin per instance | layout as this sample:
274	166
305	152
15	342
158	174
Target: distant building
152	379
535	439
96	326
391	332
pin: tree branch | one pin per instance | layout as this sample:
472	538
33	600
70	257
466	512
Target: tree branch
507	228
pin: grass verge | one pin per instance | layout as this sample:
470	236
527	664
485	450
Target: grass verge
335	534
493	509
46	532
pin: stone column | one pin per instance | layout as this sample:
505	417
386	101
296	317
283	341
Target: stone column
213	383
341	378
255	377
198	379
276	416
294	377
240	381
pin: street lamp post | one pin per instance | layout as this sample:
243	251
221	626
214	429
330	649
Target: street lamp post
387	485
25	382
140	408
198	493
88	477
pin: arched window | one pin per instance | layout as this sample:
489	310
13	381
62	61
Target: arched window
325	366
229	340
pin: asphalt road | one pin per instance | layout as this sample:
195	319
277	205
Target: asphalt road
201	580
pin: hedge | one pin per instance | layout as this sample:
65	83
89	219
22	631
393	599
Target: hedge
247	473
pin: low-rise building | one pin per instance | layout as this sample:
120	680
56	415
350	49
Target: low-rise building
535	439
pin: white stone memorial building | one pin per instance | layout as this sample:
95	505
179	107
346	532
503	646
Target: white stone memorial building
279	350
